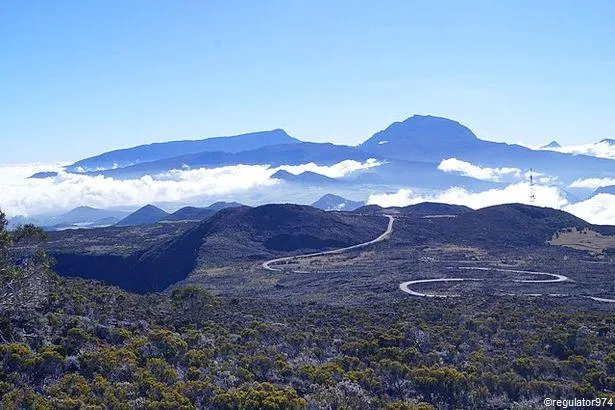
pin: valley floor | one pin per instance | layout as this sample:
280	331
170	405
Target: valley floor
376	270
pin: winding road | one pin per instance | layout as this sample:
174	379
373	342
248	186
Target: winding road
405	286
384	236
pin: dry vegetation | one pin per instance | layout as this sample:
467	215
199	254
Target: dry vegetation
584	239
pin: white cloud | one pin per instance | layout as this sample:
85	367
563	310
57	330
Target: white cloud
599	209
474	171
37	196
339	170
520	192
13	172
22	196
592	183
599	149
403	197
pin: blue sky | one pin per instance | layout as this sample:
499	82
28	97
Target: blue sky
81	77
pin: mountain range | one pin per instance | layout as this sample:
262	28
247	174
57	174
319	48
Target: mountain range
158	151
405	155
409	152
79	217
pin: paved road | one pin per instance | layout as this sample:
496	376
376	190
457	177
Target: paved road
384	236
558	278
405	286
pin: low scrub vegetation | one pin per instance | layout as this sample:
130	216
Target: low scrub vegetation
73	343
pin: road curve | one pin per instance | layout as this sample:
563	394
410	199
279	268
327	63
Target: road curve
405	286
384	236
558	278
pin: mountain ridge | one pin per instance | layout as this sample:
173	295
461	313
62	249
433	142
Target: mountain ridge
160	150
149	214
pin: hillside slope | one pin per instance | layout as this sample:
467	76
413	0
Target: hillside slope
500	226
231	235
418	210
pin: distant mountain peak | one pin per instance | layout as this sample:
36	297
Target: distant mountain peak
422	129
149	214
281	174
217	206
422	137
84	208
150	207
552	144
330	202
306	177
609	141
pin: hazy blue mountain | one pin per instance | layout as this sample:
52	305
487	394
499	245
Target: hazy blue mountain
190	213
330	202
149	214
552	144
275	155
220	205
409	152
306	177
80	217
84	214
432	139
418	174
101	223
605	190
153	152
43	175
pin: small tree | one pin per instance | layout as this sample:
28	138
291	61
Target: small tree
5	243
19	247
193	304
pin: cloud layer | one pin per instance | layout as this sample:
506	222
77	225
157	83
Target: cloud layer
339	170
599	209
474	171
599	149
520	192
592	183
22	196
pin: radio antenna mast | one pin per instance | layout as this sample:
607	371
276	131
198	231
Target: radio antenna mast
532	195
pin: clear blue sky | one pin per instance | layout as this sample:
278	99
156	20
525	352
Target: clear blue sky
81	77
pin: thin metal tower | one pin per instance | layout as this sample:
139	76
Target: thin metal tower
532	195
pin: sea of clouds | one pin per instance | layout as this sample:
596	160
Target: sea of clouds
599	209
20	195
504	174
